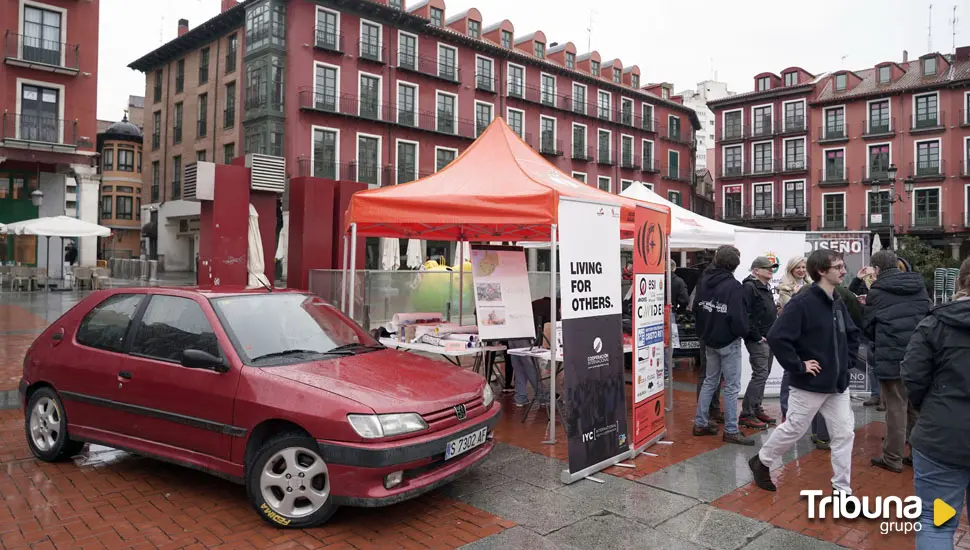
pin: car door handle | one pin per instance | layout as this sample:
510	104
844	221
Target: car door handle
57	336
125	374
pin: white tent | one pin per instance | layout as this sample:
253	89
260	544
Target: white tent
688	230
58	226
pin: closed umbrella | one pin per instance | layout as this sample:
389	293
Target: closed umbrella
255	264
876	244
390	254
414	254
467	247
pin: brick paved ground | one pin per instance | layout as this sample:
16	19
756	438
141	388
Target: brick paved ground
787	509
109	499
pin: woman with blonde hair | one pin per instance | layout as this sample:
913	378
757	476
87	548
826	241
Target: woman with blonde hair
796	276
934	371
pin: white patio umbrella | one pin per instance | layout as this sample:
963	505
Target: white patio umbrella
390	254
3	229
57	226
876	244
284	243
254	260
414	254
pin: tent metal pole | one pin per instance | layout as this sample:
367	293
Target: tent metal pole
343	279
669	351
461	280
553	343
353	267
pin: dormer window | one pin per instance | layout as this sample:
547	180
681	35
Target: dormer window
570	60
665	93
474	29
540	50
506	39
617	76
764	83
841	82
791	79
396	4
929	66
437	17
635	80
884	74
594	67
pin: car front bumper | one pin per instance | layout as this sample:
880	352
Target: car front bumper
357	471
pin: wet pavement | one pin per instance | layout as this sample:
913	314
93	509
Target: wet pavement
693	493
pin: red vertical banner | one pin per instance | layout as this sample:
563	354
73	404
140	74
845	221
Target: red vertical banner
650	322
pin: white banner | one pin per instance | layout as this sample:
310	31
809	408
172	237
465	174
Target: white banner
503	301
781	246
648	305
589	259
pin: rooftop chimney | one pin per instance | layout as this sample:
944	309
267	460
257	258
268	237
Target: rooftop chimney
183	26
963	53
228	5
905	56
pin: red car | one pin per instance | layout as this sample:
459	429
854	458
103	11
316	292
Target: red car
278	391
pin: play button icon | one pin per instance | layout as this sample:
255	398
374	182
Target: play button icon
942	512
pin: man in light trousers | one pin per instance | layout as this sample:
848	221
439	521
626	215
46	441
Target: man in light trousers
811	339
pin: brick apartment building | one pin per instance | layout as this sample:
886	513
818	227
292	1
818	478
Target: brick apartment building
48	122
808	151
384	93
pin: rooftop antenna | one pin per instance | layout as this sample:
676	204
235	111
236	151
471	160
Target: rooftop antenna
589	32
929	32
953	24
843	60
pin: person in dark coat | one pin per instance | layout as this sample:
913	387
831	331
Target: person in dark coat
897	301
762	313
70	253
678	290
934	371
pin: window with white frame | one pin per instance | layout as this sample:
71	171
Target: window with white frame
841	82
885	74
626	152
835	165
624	184
673	164
880	121
764	83
407	50
762	196
437	17
648	120
763	161
579	176
605	183
626	111
928	158
579	98
443	157
926	210
368	159
570	61
648	157
325	153
879	161
516	81
733	201
483	116
506	39
370	97
328	29
547	135
795	154
42	35
446	112
484	75
447	62
579	141
604	105
926	111
833	211
835	123
794	198
326	88
675	197
791	78
762	120
794	116
407	161
516	120
929	66
733	124
604	152
370	41
407	104
733	160
673	127
474	29
879	208
548	90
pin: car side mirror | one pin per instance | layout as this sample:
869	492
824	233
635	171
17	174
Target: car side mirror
198	359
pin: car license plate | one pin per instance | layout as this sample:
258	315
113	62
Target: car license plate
465	443
689	344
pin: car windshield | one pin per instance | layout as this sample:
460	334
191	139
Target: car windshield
273	327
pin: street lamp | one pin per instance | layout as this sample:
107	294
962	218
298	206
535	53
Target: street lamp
37	197
894	198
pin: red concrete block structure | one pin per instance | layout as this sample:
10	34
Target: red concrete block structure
842	131
223	191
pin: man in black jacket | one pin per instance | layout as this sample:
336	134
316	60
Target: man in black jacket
895	304
722	321
762	313
811	340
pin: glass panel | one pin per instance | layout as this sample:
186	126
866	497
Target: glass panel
325	154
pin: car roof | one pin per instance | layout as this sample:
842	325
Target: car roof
205	292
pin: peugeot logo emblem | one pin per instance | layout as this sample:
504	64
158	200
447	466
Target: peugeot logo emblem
460	412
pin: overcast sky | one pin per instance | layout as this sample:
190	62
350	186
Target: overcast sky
680	41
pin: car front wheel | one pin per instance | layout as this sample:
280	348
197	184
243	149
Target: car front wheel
46	426
288	483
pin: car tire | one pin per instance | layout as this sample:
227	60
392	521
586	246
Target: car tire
288	483
46	427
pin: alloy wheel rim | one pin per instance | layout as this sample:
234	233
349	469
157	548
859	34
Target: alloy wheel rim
45	424
295	482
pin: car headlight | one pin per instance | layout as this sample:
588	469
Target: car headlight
487	396
371	426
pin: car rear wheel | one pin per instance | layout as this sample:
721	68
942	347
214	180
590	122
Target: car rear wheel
288	483
46	426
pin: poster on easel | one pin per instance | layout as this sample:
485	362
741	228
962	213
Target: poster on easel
503	300
650	324
595	389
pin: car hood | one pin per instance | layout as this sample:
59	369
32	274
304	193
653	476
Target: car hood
388	381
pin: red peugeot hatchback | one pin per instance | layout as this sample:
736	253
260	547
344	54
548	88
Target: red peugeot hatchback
276	390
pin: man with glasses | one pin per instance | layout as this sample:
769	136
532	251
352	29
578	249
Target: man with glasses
811	339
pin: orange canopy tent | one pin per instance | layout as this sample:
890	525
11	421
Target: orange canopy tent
498	189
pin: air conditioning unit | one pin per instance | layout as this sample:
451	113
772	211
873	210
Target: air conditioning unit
267	173
199	181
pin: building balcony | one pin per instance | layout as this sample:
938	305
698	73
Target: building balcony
964	118
371	51
880	128
927	170
929	222
604	156
27	131
964	169
650	166
648	124
329	40
429	66
789	212
354	171
765	167
674	173
792	125
795	166
874	174
683	137
535	94
764	130
837	176
732	171
550	146
730	134
625	118
874	220
43	55
629	162
833	134
729	214
582	153
485	83
827	223
933	122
